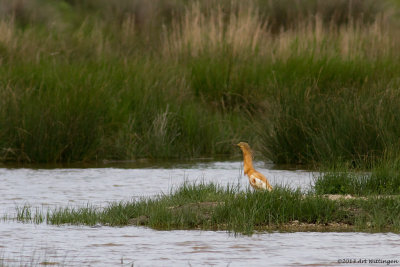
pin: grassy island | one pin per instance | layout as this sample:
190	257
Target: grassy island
211	207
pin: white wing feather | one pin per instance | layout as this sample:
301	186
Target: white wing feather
258	183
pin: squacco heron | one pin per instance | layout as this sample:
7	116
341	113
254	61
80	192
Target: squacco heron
256	179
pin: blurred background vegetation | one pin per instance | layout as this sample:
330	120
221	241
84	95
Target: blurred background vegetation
303	81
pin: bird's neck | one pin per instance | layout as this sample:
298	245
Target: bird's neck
247	162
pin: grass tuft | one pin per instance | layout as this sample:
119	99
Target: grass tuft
383	179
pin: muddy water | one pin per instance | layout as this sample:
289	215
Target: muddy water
28	244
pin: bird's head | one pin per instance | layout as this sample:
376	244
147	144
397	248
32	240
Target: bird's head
244	146
245	149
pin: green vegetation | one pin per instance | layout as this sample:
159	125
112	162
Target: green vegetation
382	179
302	81
208	206
25	213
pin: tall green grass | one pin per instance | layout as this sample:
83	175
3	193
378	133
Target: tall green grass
75	111
382	179
348	118
301	81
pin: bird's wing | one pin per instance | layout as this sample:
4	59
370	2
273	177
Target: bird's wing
257	182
